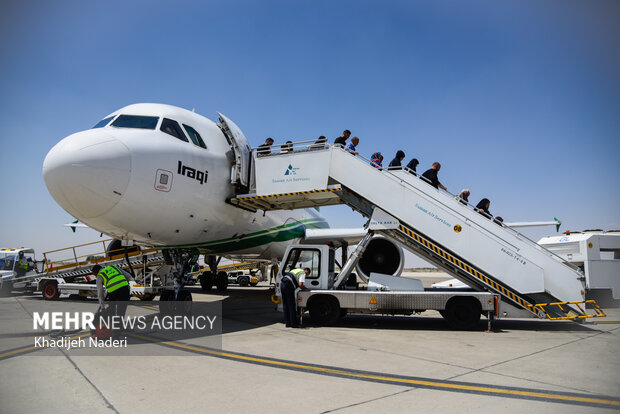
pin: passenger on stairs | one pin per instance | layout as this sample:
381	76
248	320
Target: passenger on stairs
483	208
376	160
463	196
431	176
265	149
319	143
395	163
413	164
342	139
352	146
288	147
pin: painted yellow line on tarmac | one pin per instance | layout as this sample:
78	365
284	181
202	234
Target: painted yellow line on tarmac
34	347
385	378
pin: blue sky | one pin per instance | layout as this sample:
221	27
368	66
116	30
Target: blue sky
519	100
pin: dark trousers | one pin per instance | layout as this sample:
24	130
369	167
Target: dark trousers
289	303
117	302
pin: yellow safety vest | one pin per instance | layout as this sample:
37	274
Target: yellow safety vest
113	278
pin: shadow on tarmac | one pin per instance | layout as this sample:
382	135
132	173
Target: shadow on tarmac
246	308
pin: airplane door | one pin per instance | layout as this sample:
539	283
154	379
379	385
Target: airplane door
241	148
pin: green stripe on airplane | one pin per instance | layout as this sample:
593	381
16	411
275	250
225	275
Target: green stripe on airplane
285	232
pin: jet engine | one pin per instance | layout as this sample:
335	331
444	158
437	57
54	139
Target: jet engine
381	256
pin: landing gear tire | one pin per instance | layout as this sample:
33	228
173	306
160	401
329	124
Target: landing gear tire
462	313
324	310
206	281
221	281
166	307
50	291
184	299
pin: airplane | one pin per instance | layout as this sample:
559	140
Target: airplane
159	175
75	225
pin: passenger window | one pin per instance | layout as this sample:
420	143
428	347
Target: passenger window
135	121
302	258
103	122
171	127
194	136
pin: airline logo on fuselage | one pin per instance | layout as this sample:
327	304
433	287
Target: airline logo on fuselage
189	172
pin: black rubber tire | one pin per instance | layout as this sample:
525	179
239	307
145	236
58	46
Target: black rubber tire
167	306
206	281
324	310
6	289
148	297
462	313
243	281
50	290
184	299
184	295
221	281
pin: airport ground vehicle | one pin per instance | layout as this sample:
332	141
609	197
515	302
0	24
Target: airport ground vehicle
10	277
243	277
597	254
407	210
331	296
68	270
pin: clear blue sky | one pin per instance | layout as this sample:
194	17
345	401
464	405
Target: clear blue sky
519	100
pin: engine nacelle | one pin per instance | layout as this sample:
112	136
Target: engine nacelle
381	256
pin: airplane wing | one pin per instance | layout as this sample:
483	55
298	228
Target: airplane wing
557	223
351	236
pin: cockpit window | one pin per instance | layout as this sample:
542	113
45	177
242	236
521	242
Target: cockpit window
173	128
135	121
104	122
194	136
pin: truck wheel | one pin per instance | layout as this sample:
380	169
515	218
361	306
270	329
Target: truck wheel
206	281
6	289
51	291
148	296
244	281
221	281
462	312
324	310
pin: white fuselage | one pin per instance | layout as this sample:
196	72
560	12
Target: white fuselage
146	185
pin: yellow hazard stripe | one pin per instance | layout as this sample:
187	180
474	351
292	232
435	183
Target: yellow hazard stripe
465	267
326	190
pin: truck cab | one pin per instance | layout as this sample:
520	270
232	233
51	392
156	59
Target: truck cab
318	258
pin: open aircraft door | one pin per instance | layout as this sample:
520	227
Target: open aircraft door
241	147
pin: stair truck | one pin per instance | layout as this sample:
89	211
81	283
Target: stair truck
331	296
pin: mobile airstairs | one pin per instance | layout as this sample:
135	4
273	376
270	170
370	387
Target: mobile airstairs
485	255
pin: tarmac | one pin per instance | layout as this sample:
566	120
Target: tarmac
364	364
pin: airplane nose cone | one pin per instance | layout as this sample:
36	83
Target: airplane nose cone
87	173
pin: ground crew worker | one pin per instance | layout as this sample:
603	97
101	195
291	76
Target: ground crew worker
21	266
116	283
288	286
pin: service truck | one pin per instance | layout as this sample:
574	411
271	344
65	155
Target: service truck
330	295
